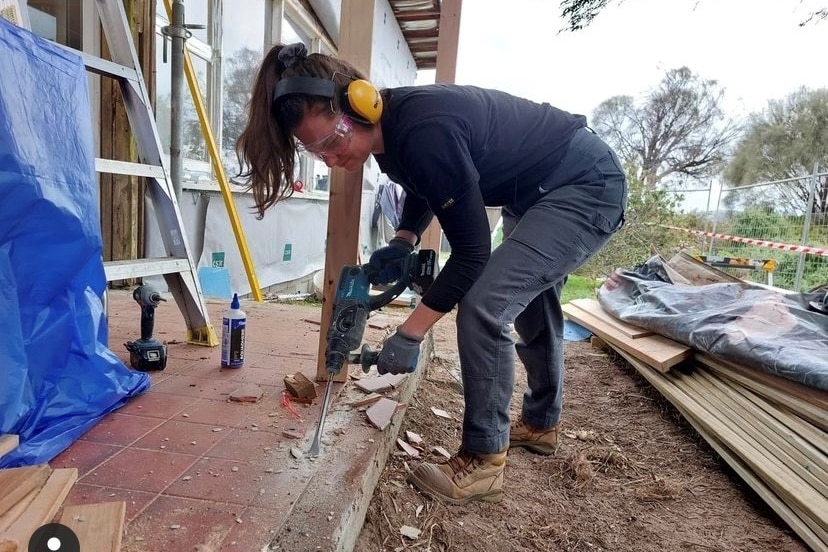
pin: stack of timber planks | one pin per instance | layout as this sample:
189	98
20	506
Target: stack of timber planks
772	431
33	496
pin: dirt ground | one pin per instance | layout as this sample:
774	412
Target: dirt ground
631	475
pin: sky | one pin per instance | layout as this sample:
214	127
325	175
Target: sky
755	49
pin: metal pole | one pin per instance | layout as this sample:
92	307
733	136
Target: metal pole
806	229
715	220
177	33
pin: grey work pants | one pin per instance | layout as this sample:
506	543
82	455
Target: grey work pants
522	283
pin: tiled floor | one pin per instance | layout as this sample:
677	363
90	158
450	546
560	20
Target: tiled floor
197	471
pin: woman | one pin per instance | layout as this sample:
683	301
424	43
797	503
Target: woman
455	150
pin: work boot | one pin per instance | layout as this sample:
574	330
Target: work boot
464	477
541	441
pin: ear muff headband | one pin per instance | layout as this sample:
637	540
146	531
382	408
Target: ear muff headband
360	98
312	86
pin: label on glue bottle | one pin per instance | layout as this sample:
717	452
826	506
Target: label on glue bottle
232	335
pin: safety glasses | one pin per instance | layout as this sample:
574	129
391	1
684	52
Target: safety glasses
334	143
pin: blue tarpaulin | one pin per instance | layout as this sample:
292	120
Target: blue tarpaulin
57	377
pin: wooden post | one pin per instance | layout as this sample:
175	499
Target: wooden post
447	42
356	37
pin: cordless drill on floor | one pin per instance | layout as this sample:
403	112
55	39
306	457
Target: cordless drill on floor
147	353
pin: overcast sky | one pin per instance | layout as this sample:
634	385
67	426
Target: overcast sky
754	48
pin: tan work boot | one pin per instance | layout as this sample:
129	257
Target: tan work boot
462	478
542	441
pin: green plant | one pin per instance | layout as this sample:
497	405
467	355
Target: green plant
578	287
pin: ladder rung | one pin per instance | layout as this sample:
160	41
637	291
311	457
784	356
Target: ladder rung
103	66
111	166
138	268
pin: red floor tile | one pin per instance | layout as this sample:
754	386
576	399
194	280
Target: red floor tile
188	351
257	529
190	386
84	455
121	429
157	405
140	470
263	376
274	485
247	445
136	501
217	413
182	437
223	480
181	524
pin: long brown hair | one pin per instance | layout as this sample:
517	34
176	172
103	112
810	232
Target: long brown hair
266	148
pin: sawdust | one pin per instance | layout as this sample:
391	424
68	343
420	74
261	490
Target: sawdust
630	475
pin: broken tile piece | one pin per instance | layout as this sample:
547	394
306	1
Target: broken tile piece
409	450
380	322
413	438
380	384
440	412
292	434
441	451
381	412
410	532
249	392
366	400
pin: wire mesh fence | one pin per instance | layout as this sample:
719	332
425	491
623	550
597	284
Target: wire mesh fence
770	232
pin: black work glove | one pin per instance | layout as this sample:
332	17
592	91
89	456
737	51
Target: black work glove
385	264
399	354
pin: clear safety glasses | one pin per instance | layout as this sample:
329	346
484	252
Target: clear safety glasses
334	143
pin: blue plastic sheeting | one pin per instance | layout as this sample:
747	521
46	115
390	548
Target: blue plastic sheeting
575	332
57	376
760	328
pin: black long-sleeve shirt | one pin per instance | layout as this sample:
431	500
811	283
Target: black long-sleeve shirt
457	149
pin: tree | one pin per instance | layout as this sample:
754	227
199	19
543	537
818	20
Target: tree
679	131
578	14
783	142
644	233
239	74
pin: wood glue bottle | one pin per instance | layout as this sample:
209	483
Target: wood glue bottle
232	335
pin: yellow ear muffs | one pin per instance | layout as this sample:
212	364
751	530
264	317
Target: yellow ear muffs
364	100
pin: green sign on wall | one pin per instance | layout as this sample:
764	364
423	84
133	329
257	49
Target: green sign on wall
288	252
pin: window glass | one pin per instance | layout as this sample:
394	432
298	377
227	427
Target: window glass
58	20
193	146
314	173
195	13
242	52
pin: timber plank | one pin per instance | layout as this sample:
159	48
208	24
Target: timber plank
813	455
18	482
656	350
804	526
765	440
44	506
807	402
8	443
594	308
99	527
14	512
790	487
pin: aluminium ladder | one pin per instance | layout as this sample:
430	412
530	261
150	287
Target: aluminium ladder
178	268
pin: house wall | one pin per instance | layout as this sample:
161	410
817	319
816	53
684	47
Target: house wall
288	245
